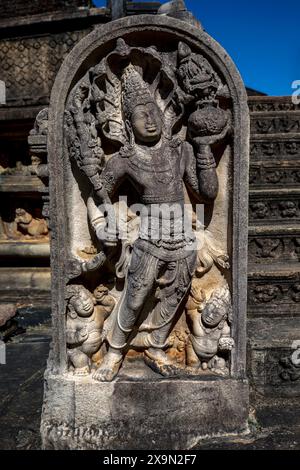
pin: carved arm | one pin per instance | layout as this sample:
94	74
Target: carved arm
102	217
200	173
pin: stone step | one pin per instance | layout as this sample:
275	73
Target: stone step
273	245
275	123
269	104
274	290
24	249
280	206
25	285
21	183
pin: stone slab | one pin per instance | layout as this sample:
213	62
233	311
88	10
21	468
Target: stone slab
80	413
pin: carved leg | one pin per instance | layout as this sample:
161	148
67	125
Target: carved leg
141	277
171	297
80	361
191	357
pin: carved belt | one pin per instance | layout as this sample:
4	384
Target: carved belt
159	199
174	251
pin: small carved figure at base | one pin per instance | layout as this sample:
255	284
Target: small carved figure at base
210	339
85	321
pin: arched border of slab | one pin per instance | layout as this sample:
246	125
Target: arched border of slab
83	56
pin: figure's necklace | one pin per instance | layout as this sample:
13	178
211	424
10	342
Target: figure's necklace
155	159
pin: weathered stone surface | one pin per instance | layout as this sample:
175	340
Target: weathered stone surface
146	414
95	108
7	311
21	388
25	285
20	8
273	425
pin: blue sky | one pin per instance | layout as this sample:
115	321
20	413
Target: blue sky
261	36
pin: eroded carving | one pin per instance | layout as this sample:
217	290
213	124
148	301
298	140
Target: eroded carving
210	339
30	226
154	121
20	224
86	314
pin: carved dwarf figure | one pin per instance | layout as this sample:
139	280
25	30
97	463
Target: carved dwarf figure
161	262
30	226
86	315
210	330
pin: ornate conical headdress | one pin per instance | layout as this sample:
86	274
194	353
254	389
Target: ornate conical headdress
134	90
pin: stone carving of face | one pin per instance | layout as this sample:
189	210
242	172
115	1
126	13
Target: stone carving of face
212	314
83	304
100	293
22	216
146	122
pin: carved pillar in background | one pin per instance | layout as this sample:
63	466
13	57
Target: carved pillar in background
149	312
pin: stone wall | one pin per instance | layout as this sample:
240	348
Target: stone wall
274	245
29	65
32	48
13	8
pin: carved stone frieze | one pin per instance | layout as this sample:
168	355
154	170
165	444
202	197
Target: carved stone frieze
274	248
272	104
263	175
22	224
287	123
29	65
265	209
274	372
273	293
289	370
275	150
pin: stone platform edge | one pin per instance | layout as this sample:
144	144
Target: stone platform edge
174	414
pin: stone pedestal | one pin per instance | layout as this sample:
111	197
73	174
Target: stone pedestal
142	414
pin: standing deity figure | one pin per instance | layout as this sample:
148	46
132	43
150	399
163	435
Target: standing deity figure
164	256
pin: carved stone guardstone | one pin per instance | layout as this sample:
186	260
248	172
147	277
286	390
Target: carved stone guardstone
148	142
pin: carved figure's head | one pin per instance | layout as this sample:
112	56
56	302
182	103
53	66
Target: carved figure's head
218	308
100	293
140	109
81	301
195	74
22	217
35	160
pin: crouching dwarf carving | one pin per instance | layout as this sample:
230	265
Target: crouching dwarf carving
86	315
210	339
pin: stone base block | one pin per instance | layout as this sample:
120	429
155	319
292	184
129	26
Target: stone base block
80	413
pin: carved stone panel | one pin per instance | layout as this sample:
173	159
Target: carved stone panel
275	124
148	157
29	65
271	206
275	373
277	295
264	175
275	149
